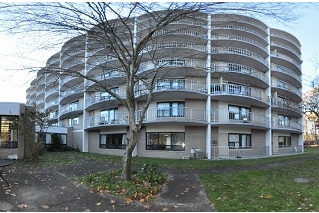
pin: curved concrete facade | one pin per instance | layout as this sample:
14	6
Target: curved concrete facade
228	86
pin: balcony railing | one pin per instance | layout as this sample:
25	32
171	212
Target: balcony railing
73	90
239	51
282	103
229	117
285	57
99	120
277	124
239	68
71	108
239	90
285	70
175	114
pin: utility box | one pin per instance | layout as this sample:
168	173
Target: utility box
199	154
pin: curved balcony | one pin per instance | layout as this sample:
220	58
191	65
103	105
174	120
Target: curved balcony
262	37
179	48
292	127
251	58
282	72
191	67
183	34
182	115
114	77
286	49
290	38
240	94
52	93
286	90
75	64
240	73
102	62
71	94
251	120
71	80
121	119
71	110
98	102
54	60
286	107
282	59
230	18
173	89
256	46
50	106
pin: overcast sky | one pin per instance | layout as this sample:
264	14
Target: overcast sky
15	55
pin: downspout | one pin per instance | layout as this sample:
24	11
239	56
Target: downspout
208	83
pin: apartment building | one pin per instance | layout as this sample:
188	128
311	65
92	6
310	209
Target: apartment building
229	86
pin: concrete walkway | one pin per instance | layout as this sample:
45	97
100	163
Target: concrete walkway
52	189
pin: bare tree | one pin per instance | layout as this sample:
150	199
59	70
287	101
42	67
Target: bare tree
112	29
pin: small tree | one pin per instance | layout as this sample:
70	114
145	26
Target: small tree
33	121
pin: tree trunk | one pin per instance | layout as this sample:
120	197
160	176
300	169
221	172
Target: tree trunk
127	158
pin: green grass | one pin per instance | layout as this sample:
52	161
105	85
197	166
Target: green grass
272	189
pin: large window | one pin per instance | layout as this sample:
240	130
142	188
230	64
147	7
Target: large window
74	105
9	132
109	115
112	141
174	141
283	120
239	113
171	109
239	141
284	141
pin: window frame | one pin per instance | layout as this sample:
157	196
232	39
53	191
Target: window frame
170	110
10	122
114	138
157	142
240	141
286	141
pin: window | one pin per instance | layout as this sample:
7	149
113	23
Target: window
283	120
113	141
284	141
74	105
239	113
9	132
73	121
171	109
239	89
109	115
107	96
170	84
239	141
174	141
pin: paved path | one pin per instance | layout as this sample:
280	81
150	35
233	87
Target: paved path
52	189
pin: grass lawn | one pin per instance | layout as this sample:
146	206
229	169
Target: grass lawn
290	184
287	188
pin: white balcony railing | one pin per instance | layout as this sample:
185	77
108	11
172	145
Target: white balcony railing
99	120
71	108
178	114
228	117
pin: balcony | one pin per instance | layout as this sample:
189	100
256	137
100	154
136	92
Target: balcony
96	102
71	109
243	93
284	106
282	72
120	119
294	64
226	117
290	126
182	115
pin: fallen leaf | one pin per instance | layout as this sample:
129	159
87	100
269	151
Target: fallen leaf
128	200
113	201
147	207
21	206
165	209
98	203
45	207
63	187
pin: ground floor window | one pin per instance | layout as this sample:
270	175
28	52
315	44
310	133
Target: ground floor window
113	141
174	141
9	132
239	141
284	141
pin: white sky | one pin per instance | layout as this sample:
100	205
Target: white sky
14	80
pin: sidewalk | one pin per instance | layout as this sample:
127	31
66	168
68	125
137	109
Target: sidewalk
52	190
